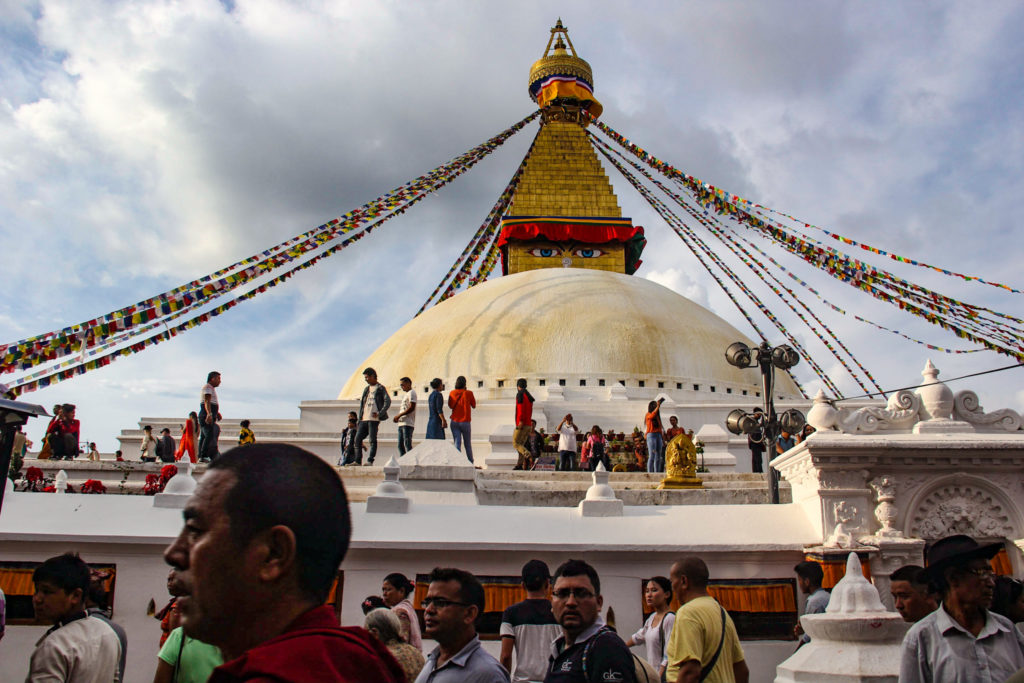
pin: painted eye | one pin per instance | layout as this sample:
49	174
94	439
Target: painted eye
588	253
544	252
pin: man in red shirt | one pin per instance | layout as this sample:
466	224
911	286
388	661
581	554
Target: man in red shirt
524	419
264	535
64	434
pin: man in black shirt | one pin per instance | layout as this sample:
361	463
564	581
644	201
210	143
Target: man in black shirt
587	651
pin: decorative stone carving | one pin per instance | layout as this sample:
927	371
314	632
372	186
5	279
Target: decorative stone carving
847	522
842	479
822	416
799	472
960	509
900	412
936	397
966	407
886	511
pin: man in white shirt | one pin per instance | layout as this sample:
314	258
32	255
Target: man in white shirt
78	647
962	640
567	432
406	418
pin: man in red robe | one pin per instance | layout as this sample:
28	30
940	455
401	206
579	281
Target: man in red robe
264	535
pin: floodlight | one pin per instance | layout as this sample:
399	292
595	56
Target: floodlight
792	420
784	357
738	354
741	422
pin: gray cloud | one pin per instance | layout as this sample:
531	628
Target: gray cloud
144	144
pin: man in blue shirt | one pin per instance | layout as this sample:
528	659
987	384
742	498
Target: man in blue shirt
454	601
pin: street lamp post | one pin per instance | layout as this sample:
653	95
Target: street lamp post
768	423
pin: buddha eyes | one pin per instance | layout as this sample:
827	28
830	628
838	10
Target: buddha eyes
583	252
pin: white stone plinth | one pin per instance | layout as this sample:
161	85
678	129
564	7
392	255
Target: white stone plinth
503	455
434	471
390	496
716	455
601	500
855	640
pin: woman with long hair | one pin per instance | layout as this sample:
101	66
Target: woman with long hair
187	444
396	589
655	437
658	627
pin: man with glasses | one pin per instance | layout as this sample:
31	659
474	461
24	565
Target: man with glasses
962	640
587	651
454	602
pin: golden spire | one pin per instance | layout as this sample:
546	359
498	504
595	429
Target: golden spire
560	77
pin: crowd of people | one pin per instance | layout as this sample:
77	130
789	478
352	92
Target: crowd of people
268	527
576	450
363	425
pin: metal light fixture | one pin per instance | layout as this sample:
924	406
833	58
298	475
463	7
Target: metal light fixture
768	424
792	421
784	357
741	422
738	354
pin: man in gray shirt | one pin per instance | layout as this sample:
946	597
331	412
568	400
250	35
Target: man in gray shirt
455	600
962	640
809	576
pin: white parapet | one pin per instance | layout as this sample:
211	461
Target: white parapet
716	455
503	455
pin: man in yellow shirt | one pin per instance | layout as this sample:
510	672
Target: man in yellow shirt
704	645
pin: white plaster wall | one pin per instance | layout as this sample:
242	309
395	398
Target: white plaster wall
141	575
129	532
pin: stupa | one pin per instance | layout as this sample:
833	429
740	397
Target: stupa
568	314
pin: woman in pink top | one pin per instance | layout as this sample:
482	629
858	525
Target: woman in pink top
395	590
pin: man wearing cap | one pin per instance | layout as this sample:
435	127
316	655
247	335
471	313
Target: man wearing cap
962	640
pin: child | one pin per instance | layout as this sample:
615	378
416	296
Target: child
598	454
94	455
245	435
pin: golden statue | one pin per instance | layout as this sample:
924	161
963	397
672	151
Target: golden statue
681	465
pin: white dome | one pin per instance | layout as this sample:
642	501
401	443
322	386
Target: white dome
568	323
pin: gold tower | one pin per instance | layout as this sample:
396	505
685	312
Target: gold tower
564	213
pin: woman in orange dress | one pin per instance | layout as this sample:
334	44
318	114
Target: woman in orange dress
188	438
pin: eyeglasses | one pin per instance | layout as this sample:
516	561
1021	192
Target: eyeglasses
441	603
578	593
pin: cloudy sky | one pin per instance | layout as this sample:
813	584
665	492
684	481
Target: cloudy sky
143	144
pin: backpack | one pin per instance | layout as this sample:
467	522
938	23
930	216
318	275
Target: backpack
643	671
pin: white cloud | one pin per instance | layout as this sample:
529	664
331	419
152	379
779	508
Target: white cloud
143	144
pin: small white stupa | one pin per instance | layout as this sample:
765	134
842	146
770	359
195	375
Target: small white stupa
855	640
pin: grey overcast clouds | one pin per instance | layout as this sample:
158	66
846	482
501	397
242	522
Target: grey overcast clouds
143	144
